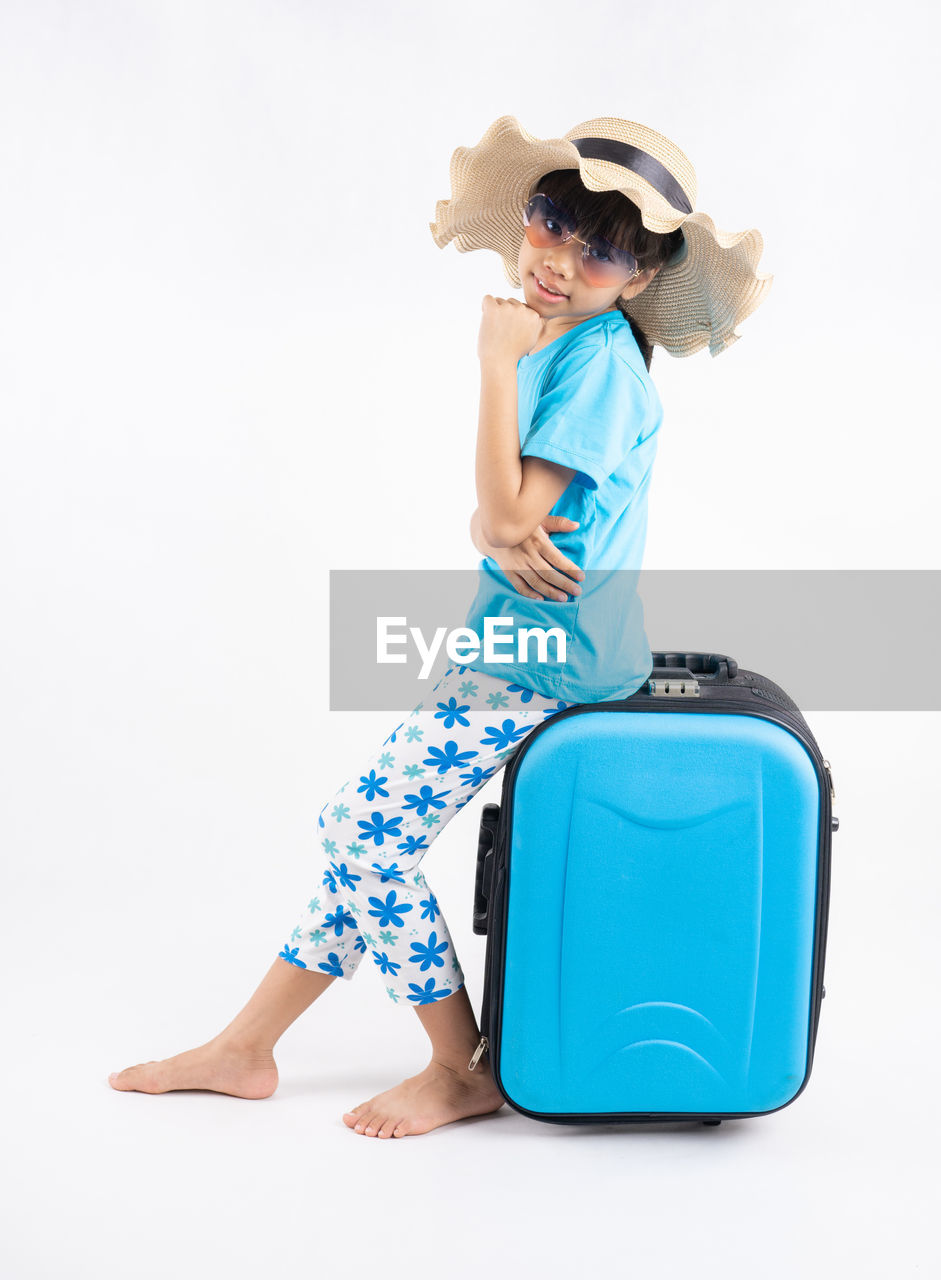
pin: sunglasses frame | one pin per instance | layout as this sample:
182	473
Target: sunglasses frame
568	235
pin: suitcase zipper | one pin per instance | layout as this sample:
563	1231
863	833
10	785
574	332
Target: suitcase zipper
826	765
478	1053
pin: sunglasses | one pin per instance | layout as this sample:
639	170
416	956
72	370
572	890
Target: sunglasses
603	264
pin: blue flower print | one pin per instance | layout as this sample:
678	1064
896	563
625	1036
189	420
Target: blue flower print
498	699
449	758
386	761
340	811
389	873
414	734
313	905
427	994
391	737
425	800
346	877
468	689
426	956
430	819
360	944
317	936
452	714
526	695
476	776
333	967
329	846
354	849
392	994
290	955
388	937
504	736
415	710
320	821
372	785
330	880
390	911
431	908
413	771
378	830
385	964
559	706
338	919
461	803
412	844
295	933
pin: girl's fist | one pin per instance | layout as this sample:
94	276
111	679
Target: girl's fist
508	329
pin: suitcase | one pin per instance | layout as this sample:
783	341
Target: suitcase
654	887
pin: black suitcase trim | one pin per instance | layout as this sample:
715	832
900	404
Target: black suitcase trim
490	915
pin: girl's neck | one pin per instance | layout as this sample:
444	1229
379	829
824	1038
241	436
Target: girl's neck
556	329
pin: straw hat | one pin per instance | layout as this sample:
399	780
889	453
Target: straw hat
699	297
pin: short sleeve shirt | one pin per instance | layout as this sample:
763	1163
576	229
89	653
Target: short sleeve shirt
585	401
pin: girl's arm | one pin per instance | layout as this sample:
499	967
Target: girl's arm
513	493
477	537
536	567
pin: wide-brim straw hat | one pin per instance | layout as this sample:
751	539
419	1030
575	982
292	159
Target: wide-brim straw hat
697	298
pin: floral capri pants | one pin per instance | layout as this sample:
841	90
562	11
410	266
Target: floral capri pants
374	900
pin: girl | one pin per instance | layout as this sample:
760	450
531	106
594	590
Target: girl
597	228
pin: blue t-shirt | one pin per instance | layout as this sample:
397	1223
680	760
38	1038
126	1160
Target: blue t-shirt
586	401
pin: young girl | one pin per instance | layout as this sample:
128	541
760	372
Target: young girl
598	230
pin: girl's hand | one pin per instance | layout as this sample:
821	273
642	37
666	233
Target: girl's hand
508	329
536	567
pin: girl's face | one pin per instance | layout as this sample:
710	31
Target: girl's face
558	267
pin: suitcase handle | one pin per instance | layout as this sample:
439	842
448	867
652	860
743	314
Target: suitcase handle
484	878
716	668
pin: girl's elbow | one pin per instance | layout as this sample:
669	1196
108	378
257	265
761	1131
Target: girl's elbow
502	533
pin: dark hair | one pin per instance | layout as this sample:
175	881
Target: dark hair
614	216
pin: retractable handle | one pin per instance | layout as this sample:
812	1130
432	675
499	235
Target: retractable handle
712	668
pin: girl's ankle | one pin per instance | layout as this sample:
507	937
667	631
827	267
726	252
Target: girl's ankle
245	1046
459	1065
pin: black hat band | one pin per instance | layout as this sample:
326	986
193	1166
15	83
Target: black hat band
639	162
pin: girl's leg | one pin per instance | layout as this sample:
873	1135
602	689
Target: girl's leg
374	905
483	721
446	1090
240	1060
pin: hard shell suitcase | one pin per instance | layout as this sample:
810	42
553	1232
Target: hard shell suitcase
654	887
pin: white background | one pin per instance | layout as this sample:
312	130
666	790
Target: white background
232	360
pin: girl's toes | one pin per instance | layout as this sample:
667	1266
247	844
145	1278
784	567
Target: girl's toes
350	1117
365	1119
401	1129
373	1124
387	1129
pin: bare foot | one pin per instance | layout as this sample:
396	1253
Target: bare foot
436	1096
215	1066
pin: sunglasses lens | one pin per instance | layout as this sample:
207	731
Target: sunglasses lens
545	224
604	264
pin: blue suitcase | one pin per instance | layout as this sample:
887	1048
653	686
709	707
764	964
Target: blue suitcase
654	888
